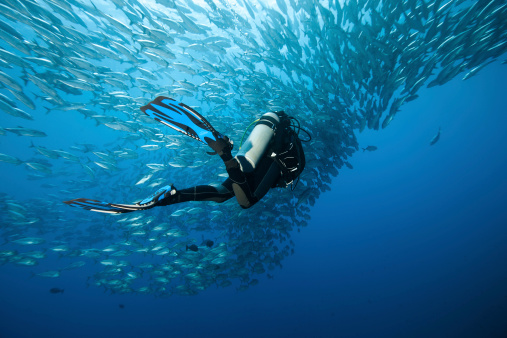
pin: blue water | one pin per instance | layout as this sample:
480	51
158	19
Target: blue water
409	243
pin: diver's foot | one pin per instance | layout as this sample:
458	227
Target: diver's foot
162	196
222	145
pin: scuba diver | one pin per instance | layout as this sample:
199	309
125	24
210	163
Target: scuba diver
272	156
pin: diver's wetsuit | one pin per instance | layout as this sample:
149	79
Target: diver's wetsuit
249	187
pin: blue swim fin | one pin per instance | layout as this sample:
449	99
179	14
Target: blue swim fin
181	118
114	208
98	206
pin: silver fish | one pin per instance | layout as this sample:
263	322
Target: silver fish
29	241
20	131
9	81
10	159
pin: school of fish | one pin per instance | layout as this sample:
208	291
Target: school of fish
338	66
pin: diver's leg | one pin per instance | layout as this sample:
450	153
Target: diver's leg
213	193
169	195
240	185
217	194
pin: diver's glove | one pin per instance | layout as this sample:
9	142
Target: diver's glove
163	196
222	145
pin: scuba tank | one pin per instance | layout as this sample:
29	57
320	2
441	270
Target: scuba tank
257	142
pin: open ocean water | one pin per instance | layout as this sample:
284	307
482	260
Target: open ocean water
403	240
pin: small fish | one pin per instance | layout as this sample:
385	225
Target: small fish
435	138
88	170
219	260
40	61
23	98
39	167
9	81
192	247
144	179
195	210
38	254
20	131
105	165
29	241
60	248
56	290
46	152
109	262
370	148
10	159
11	109
127	153
26	261
179	212
156	166
50	274
67	155
7	253
74	265
151	147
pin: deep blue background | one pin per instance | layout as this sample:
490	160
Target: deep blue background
410	243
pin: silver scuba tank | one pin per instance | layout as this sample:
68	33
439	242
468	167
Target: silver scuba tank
257	142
